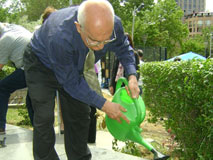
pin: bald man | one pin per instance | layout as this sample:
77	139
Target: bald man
54	60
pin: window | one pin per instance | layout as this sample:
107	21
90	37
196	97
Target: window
190	5
200	23
190	23
194	24
208	23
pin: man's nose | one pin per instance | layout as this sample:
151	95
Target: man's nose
99	47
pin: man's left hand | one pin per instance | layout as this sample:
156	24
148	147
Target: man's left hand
133	86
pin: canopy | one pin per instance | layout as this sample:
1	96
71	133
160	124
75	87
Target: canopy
188	56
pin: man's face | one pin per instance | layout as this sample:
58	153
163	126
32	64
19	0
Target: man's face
95	39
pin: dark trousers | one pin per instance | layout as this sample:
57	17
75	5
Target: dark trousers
42	85
8	85
92	126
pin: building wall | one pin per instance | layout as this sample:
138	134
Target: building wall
191	6
197	21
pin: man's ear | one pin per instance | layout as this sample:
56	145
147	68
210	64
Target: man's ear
78	26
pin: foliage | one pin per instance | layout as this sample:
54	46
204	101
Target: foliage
31	26
129	148
197	43
9	13
156	25
76	2
6	70
206	32
3	14
164	27
183	92
125	12
194	44
34	9
22	112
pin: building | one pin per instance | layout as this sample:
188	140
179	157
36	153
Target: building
197	21
192	6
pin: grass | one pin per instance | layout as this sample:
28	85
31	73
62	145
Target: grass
14	118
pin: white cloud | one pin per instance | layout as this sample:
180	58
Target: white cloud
209	5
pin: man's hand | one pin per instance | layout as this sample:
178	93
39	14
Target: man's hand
111	90
113	110
133	86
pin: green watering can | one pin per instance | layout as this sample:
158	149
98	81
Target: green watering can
136	112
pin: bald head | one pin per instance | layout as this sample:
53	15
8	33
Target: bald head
95	23
95	13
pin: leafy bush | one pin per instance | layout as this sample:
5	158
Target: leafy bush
129	148
31	26
6	71
22	111
183	92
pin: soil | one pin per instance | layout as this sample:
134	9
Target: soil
156	134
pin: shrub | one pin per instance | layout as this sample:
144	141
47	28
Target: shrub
22	111
183	91
7	70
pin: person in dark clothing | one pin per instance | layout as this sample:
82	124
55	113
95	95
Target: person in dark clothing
118	71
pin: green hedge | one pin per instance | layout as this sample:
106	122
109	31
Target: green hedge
6	71
183	92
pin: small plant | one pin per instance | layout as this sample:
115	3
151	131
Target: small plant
22	111
130	148
171	142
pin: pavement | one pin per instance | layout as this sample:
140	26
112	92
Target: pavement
19	146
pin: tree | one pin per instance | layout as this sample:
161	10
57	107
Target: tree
34	8
125	12
194	44
76	2
10	13
164	26
206	32
160	23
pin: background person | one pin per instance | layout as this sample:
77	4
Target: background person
140	55
13	41
55	59
118	70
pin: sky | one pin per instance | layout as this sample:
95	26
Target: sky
209	5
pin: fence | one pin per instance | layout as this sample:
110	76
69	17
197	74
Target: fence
154	53
149	54
17	98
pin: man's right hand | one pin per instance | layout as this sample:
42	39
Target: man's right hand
111	90
114	111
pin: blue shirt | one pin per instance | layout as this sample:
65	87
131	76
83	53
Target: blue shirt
59	47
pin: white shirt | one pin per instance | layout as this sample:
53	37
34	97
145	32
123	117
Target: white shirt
13	41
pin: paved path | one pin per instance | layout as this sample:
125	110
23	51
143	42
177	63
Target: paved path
19	146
